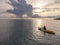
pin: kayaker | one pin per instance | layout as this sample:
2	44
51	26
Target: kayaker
44	27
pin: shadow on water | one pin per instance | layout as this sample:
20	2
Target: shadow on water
20	31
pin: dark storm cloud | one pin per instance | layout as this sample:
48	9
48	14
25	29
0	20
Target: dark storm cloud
20	8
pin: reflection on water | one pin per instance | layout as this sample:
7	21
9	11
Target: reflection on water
5	29
25	32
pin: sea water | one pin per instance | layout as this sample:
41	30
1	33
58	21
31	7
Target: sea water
25	32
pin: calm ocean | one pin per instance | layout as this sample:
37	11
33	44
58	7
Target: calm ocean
25	32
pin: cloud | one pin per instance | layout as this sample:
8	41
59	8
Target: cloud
35	16
20	7
52	6
57	1
53	3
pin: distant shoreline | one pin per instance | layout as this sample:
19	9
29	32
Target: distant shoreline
57	19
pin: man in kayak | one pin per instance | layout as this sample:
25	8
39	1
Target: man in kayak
44	29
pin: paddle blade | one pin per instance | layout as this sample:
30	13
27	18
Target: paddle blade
39	29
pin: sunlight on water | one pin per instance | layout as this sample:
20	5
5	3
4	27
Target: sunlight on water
48	38
36	33
39	23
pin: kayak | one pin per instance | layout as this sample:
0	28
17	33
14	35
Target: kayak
47	31
50	32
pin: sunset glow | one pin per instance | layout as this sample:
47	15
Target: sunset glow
38	7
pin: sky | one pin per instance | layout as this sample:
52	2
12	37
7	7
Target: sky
29	8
